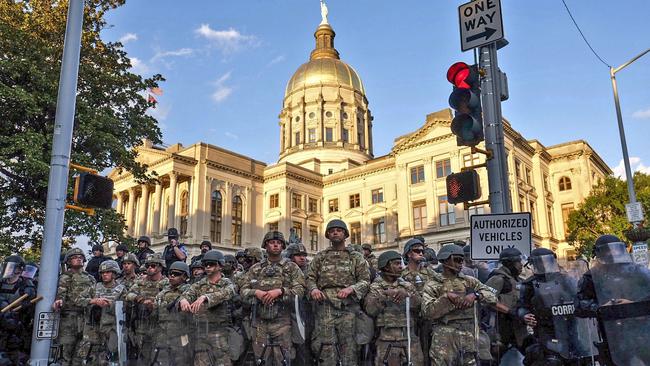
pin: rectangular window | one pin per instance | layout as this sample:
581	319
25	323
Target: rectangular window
329	134
379	231
417	174
313	205
333	205
567	208
355	233
377	195
419	215
447	212
529	179
297	227
313	238
273	226
471	159
476	210
549	214
274	200
296	200
443	168
297	138
312	134
355	200
345	135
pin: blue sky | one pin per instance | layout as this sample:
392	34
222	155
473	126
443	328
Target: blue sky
227	64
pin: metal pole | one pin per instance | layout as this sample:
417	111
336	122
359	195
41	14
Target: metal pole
58	180
491	104
621	131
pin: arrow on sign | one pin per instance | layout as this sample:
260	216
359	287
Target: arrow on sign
487	33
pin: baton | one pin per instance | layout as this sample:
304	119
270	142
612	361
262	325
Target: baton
14	303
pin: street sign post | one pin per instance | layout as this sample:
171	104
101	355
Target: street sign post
492	233
634	212
480	23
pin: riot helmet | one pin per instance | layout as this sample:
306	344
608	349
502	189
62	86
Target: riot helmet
543	261
609	249
30	271
336	223
13	264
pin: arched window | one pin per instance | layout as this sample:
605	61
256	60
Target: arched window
185	208
236	220
215	217
565	184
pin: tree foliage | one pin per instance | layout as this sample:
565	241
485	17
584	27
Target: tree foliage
603	212
110	118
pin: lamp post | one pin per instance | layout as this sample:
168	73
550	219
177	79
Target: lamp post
621	131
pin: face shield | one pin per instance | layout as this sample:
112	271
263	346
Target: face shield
29	272
544	264
613	253
9	269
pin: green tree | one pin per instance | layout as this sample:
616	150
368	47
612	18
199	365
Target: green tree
603	212
110	117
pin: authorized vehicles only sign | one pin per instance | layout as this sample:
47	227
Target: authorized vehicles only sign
492	233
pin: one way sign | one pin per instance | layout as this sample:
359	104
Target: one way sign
480	23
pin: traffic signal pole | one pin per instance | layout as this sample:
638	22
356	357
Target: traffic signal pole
57	187
497	166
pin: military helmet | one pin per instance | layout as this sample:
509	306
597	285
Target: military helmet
180	266
196	264
206	243
366	246
448	250
213	256
467	249
274	235
172	232
430	255
256	253
355	248
74	251
110	266
98	247
386	257
122	247
510	254
131	257
229	258
410	244
15	259
338	224
296	249
145	239
155	258
240	253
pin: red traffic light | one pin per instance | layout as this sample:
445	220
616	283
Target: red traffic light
462	75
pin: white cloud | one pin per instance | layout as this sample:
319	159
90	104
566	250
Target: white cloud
227	41
138	66
636	165
222	92
276	60
177	53
128	37
161	111
231	136
642	114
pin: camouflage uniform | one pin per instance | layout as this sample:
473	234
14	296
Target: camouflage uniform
211	322
272	326
172	345
127	282
372	261
330	271
452	340
390	322
70	289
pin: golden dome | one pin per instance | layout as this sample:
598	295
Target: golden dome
324	66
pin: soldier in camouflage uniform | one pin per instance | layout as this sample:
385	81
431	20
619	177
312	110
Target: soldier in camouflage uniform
297	253
232	267
209	301
371	258
386	302
271	286
197	271
173	344
72	283
449	302
130	263
337	279
99	344
142	298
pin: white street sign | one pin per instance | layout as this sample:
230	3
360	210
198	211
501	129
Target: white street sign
640	253
634	212
490	234
480	23
48	325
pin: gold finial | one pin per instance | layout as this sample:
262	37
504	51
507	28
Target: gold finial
323	12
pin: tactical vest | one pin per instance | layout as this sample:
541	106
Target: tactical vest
75	284
266	276
337	270
112	294
218	315
393	315
458	285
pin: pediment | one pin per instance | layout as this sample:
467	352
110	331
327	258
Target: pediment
355	212
273	213
437	126
377	209
149	156
299	213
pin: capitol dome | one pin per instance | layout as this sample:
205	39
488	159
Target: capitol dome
323	71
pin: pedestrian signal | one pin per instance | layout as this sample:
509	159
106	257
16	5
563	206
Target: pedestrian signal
93	190
463	187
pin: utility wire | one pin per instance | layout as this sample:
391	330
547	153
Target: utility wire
583	36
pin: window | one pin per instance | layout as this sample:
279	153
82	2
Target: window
312	134
296	200
333	205
419	215
355	201
344	135
184	213
297	138
379	231
471	159
517	168
377	195
273	226
360	139
545	183
549	213
297	228
236	226
417	174
533	217
443	168
522	204
565	184
447	212
355	233
215	216
567	208
274	200
313	238
328	114
528	176
329	134
313	205
476	210
330	171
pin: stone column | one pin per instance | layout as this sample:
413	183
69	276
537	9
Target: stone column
144	202
171	210
129	212
157	203
120	202
226	229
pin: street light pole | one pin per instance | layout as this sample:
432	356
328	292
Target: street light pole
626	160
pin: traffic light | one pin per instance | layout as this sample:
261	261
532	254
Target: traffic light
93	190
465	99
463	187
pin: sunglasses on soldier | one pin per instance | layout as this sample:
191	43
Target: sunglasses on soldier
457	259
417	251
176	274
152	265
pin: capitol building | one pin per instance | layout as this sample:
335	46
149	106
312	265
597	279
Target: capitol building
326	169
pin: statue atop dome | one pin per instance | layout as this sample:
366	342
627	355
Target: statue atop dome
323	12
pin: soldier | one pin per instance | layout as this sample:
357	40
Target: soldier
209	301
143	248
449	302
298	254
72	283
337	279
253	255
98	257
142	297
272	285
174	250
173	345
121	250
99	342
241	257
367	253
129	265
197	271
397	343
232	266
205	246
